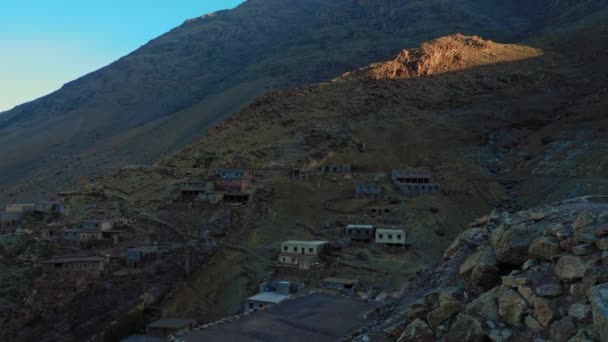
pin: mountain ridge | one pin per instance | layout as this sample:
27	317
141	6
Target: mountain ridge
167	93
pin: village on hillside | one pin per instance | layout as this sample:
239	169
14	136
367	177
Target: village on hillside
74	247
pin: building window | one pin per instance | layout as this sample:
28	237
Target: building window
295	249
398	236
285	248
380	236
390	236
311	250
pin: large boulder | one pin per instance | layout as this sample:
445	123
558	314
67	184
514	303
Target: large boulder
466	328
544	311
485	272
584	219
598	297
570	268
544	248
579	311
562	330
511	243
486	306
417	331
512	308
444	312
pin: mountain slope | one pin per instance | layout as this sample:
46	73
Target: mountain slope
169	91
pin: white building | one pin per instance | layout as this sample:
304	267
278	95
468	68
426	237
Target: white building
263	299
390	236
300	254
360	232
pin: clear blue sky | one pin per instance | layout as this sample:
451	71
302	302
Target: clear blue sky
46	43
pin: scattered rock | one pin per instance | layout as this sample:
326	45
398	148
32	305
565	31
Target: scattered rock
515	281
417	331
511	306
584	249
603	217
584	219
562	330
549	290
466	328
544	311
448	307
602	244
418	310
568	244
569	268
578	291
486	305
587	234
532	323
528	264
511	243
561	232
544	248
579	311
598	298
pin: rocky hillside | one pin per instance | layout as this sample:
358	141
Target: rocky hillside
172	89
535	275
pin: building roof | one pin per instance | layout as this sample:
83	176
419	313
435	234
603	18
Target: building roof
360	226
313	243
269	297
342	281
421	172
388	230
73	258
232	174
144	249
13	216
171	323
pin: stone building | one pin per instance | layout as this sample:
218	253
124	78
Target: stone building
370	190
360	232
20	208
71	267
52	208
390	236
342	286
95	225
301	254
264	299
139	256
414	181
10	220
233	180
337	168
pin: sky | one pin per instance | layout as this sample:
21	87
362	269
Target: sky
47	43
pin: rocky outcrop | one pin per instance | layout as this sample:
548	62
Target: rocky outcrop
599	304
546	292
452	53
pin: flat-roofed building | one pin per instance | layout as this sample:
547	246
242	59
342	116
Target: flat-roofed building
264	299
360	232
72	267
234	180
414	181
301	254
11	220
390	236
95	225
343	286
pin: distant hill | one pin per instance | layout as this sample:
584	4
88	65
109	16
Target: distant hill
170	91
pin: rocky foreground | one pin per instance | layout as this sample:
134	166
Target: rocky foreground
535	275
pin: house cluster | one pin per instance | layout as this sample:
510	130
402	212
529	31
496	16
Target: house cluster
93	231
13	215
227	186
387	235
414	181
